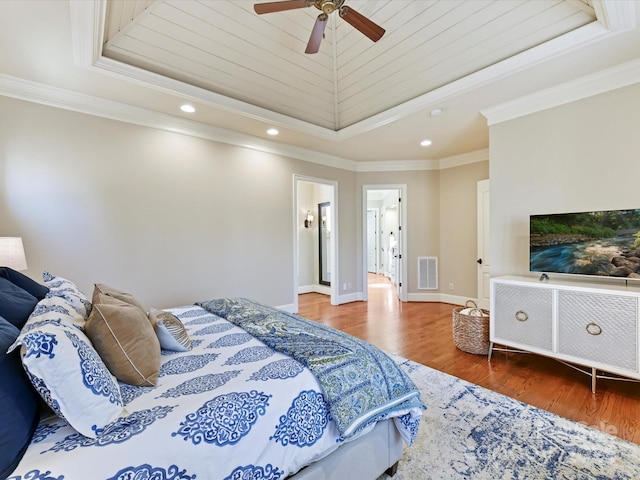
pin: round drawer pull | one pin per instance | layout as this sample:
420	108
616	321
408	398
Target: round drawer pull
593	329
522	316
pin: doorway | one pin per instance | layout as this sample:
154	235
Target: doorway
384	236
315	236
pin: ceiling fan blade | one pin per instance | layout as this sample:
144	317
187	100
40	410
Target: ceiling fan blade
317	34
270	7
362	23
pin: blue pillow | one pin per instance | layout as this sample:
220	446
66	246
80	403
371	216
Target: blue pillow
19	403
16	304
24	282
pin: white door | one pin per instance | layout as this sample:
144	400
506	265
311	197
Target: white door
399	252
484	260
372	241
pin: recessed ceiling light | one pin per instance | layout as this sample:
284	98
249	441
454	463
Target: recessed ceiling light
425	143
187	108
273	131
436	111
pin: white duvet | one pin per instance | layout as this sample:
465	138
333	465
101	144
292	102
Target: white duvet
231	408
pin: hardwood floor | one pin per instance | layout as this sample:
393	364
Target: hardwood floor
422	332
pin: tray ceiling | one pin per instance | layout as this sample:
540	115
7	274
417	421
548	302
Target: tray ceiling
226	48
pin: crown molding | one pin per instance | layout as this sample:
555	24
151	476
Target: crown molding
547	51
78	102
616	15
415	165
87	30
464	159
87	27
87	20
604	81
34	92
396	165
206	97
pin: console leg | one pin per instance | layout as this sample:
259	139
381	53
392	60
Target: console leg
391	471
593	379
490	351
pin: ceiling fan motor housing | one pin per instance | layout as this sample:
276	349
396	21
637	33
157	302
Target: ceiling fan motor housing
328	6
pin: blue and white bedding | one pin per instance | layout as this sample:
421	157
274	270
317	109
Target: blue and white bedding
231	408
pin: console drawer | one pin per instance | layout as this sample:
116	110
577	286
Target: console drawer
523	315
599	327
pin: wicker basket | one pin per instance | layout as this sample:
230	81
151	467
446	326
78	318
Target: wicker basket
471	329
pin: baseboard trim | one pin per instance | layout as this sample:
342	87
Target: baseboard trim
411	297
286	308
324	290
351	297
455	299
423	297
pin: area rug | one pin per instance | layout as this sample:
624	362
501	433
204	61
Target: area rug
471	432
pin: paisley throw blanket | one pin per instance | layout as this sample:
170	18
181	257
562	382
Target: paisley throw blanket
362	385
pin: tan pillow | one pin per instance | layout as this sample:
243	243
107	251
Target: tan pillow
100	298
126	342
101	288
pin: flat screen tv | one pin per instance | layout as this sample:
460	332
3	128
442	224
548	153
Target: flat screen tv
603	243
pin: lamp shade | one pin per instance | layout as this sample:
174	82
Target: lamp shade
12	253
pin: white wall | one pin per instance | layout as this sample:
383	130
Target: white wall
581	156
458	229
175	219
170	218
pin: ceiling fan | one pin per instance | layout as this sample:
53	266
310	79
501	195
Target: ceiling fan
357	20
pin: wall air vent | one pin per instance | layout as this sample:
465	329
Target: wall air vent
427	273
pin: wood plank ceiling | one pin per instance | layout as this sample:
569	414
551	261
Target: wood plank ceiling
225	47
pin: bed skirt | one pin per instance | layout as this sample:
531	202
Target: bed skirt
364	458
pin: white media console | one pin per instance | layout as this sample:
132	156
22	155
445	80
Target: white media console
592	327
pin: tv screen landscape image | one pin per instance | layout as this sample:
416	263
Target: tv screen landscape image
602	243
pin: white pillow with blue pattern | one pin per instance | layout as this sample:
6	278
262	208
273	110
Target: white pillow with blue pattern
55	309
61	287
66	370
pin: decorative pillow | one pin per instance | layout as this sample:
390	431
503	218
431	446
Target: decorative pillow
19	403
170	331
115	293
59	310
24	282
61	287
101	298
16	304
125	339
68	373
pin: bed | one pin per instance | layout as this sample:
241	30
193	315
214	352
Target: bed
232	389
